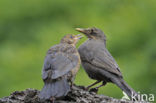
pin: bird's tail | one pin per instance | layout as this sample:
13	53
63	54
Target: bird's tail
127	89
58	88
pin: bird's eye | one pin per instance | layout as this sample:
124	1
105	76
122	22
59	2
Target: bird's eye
92	32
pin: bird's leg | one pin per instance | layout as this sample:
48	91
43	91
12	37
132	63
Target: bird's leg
103	84
71	84
96	88
87	88
71	81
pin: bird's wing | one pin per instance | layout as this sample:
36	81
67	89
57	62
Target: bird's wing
98	55
103	59
58	64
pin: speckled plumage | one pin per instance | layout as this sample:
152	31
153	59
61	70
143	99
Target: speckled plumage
60	58
60	67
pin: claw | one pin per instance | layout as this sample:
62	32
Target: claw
86	88
95	90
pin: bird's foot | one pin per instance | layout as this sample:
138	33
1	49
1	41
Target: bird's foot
95	90
86	88
52	99
71	86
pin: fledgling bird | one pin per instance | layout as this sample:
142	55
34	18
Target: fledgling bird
99	63
61	64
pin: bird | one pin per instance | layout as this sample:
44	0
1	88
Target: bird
61	64
98	63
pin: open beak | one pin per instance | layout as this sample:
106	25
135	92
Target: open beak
79	36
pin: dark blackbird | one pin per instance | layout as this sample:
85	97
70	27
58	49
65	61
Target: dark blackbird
60	67
98	62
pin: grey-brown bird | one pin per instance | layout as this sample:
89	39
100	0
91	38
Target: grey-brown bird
99	63
60	67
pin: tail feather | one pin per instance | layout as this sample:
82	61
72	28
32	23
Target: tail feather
126	88
56	89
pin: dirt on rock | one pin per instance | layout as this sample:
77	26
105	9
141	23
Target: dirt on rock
76	95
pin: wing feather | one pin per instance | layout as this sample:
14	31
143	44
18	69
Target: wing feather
97	55
58	64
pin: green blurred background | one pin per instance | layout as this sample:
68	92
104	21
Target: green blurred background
28	28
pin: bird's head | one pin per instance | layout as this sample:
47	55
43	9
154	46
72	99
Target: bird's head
92	33
71	39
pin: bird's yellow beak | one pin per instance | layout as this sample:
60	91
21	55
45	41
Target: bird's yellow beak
80	30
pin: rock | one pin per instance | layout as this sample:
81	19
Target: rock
77	95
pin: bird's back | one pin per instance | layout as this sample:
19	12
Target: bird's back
60	60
